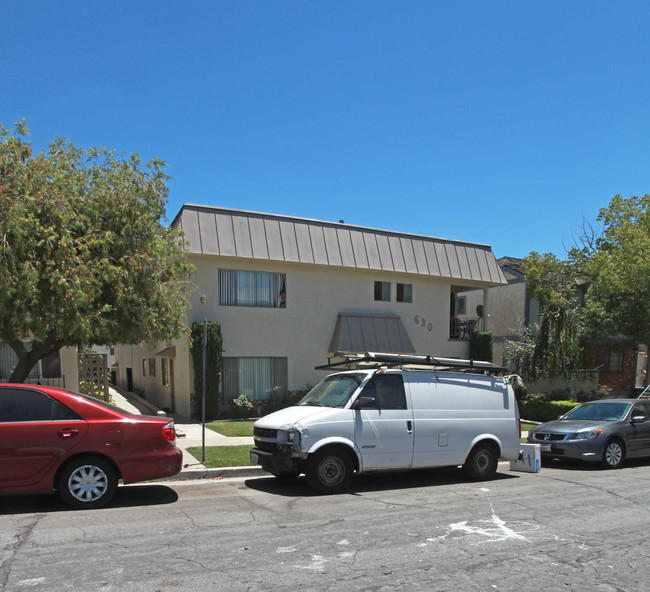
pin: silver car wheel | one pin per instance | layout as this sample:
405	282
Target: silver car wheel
88	483
613	455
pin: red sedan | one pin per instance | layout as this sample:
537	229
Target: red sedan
55	440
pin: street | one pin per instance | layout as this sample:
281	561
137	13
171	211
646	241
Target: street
567	527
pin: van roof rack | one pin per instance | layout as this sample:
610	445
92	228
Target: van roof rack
376	359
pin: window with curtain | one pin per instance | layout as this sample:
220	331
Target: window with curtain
257	378
252	288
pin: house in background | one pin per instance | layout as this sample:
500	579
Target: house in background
59	369
613	364
512	310
290	292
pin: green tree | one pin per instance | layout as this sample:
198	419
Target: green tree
213	359
555	346
617	262
84	254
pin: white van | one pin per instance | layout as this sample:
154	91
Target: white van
385	414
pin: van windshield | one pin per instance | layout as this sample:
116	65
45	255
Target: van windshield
334	391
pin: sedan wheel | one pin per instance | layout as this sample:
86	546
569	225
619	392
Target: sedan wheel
613	455
87	483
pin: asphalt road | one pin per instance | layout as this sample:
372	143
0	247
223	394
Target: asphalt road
565	528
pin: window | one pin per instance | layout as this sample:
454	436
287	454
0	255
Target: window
17	405
387	390
404	292
164	364
152	366
461	305
257	378
144	367
382	291
252	288
609	361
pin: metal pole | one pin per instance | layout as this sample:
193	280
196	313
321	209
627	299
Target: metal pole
205	344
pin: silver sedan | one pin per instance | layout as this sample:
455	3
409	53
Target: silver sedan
606	431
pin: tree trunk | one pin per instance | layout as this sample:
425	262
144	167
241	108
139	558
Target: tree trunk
28	359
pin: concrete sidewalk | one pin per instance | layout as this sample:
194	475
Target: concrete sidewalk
189	435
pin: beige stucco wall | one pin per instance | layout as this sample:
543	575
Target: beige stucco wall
315	295
70	367
302	331
151	387
508	309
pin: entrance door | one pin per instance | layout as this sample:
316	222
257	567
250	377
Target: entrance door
384	433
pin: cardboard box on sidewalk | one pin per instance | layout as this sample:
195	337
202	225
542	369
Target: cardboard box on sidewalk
530	461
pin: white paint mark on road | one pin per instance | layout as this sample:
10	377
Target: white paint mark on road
31	582
285	549
317	562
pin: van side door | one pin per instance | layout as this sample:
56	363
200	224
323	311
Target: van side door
383	428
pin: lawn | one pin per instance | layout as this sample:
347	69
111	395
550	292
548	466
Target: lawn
223	456
232	428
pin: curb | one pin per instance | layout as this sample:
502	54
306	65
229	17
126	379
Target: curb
219	473
241	472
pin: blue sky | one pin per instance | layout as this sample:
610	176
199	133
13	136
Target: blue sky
503	123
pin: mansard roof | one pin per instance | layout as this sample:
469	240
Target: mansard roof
253	235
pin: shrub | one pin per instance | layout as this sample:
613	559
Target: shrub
213	368
540	407
480	346
241	407
277	402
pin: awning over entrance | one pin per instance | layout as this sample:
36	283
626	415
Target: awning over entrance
168	352
370	333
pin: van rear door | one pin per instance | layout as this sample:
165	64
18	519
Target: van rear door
383	428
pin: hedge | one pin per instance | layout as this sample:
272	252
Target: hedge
539	410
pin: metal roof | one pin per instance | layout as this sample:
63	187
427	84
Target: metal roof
365	332
252	235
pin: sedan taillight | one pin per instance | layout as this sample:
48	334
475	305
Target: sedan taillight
169	432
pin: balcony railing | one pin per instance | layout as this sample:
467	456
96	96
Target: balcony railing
463	327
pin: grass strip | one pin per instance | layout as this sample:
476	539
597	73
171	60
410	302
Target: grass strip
232	428
223	456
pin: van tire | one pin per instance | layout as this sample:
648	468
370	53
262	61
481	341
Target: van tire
482	461
330	470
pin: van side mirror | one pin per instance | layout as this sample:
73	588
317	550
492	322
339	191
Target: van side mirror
365	403
639	419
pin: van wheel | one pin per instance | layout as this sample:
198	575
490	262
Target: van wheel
330	471
481	464
613	455
87	482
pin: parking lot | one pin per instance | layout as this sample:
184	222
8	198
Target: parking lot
567	527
